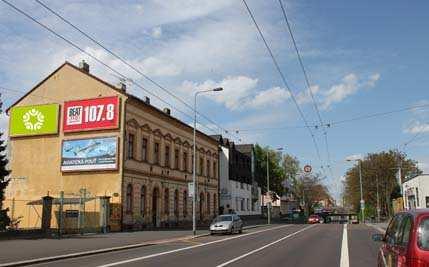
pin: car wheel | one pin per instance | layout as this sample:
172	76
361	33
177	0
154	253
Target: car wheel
211	233
232	231
241	230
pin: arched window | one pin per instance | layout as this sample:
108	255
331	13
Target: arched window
185	204
143	200
208	203
167	202
176	203
214	204
129	199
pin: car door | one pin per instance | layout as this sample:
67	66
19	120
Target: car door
388	252
236	219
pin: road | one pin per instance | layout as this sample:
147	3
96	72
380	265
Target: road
276	245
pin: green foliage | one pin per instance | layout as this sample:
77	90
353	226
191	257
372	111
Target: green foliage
4	219
378	171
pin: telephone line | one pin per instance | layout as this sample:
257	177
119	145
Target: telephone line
127	63
99	61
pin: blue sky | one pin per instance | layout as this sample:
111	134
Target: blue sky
362	57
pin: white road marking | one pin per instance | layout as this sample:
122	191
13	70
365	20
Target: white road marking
344	261
263	247
188	248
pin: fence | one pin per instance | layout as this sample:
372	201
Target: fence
65	213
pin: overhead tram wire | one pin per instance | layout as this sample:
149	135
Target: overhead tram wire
128	64
99	61
283	78
333	123
307	81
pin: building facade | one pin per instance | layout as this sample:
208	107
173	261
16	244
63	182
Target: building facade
92	137
415	192
238	191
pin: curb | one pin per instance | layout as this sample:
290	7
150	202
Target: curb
381	230
106	250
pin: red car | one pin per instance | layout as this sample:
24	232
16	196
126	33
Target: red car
406	241
315	219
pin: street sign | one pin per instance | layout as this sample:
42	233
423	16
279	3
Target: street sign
362	204
190	189
307	168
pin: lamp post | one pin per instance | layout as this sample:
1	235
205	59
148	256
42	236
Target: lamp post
362	202
268	185
194	198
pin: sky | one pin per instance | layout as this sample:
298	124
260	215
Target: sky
362	57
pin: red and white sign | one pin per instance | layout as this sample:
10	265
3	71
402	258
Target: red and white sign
91	114
307	168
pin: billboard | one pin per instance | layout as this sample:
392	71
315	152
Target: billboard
91	114
34	120
100	153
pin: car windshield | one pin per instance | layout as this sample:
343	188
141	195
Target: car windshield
223	218
423	234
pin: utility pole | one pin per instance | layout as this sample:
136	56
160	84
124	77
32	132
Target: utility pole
268	190
362	202
378	201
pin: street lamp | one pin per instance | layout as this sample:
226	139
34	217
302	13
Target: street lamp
194	198
268	185
362	202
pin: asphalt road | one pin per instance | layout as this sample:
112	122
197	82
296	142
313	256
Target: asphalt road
277	245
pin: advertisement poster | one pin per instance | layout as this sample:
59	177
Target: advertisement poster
91	114
34	120
90	154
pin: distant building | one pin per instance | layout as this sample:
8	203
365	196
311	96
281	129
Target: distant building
238	191
416	192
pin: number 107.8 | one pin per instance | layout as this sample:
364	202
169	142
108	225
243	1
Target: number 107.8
95	113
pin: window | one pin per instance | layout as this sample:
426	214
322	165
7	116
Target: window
192	164
156	153
144	149
417	196
208	168
167	156
185	162
185	204
201	166
404	236
423	234
208	203
129	199
142	200
176	159
248	204
427	202
130	146
236	184
214	170
242	204
166	202
241	185
393	229
176	203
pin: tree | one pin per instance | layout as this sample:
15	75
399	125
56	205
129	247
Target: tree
309	190
382	168
4	219
277	174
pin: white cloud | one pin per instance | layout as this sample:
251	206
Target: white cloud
417	127
240	93
354	157
156	32
339	92
304	97
349	86
273	96
4	124
424	166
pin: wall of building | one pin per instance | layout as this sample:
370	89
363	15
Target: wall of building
167	176
416	192
35	161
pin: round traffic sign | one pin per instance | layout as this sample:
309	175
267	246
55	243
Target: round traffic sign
307	168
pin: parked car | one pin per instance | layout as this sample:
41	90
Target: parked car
314	218
228	223
406	241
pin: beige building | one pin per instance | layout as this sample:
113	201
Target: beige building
145	173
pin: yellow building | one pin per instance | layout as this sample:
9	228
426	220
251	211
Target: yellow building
96	139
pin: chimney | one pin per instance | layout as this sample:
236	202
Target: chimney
84	66
147	100
122	86
167	111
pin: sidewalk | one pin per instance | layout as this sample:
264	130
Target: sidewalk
28	249
381	227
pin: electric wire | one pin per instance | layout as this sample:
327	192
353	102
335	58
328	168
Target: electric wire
99	61
307	82
283	78
127	63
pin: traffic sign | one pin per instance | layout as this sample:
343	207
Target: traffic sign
307	168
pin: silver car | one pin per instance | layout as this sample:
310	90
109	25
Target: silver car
227	224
